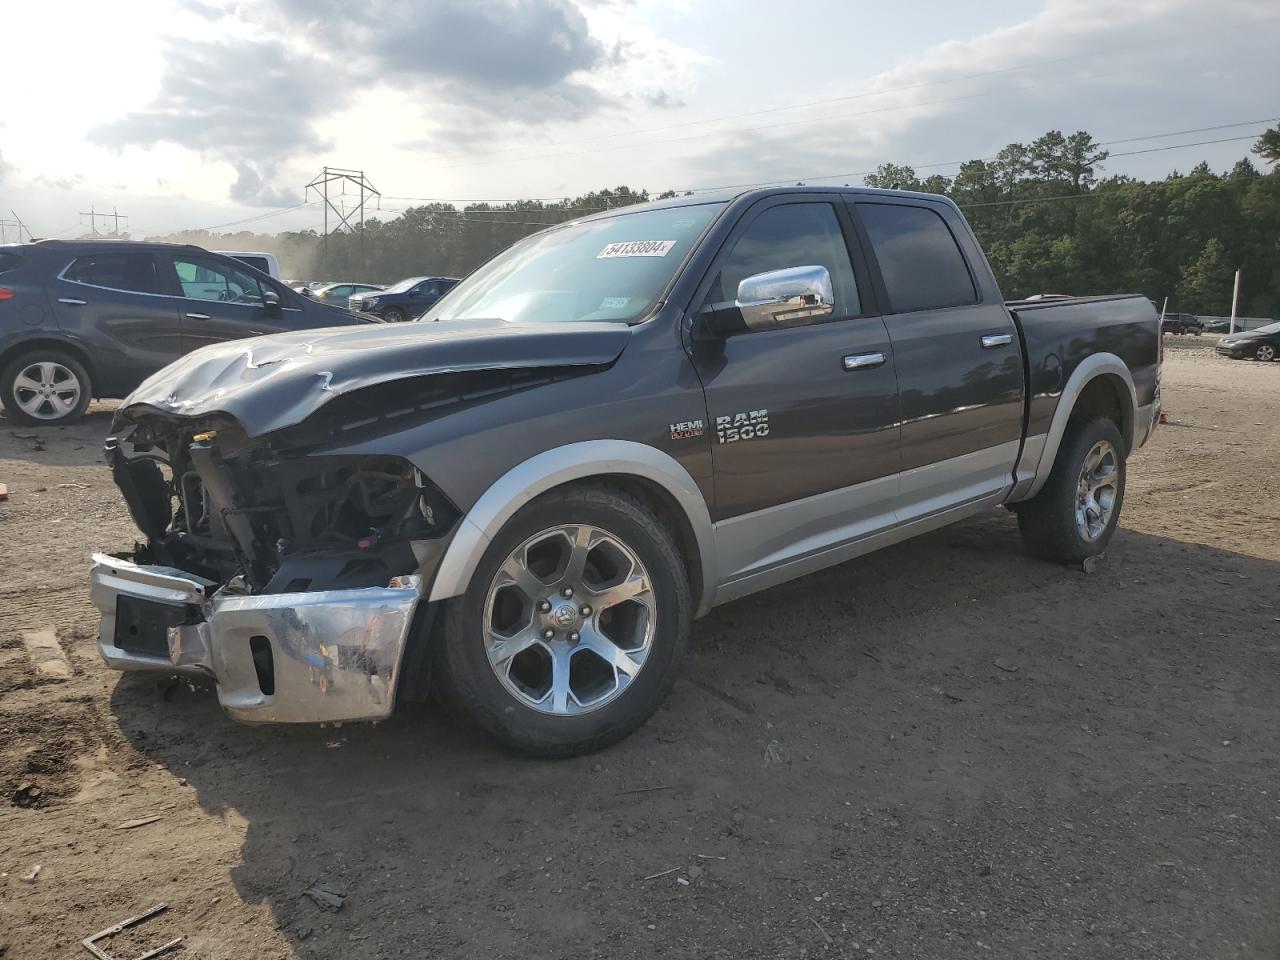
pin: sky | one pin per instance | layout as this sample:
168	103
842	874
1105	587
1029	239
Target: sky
188	114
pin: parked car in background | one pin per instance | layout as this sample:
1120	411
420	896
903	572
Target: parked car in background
1181	323
266	262
94	318
1262	343
338	294
404	300
525	498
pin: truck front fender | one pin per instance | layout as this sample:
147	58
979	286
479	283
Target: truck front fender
561	465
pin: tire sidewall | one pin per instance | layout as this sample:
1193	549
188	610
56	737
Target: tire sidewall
10	374
393	315
466	665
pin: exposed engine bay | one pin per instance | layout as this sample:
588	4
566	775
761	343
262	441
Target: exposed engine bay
262	516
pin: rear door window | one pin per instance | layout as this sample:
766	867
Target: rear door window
258	263
133	272
919	258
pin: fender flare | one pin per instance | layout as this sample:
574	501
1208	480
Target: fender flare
560	465
1092	367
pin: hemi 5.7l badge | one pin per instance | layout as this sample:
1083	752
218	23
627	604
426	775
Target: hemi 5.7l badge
686	429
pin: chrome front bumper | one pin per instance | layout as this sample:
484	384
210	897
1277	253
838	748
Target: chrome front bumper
333	655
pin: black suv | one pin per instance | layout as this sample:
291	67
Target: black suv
94	318
1179	323
406	300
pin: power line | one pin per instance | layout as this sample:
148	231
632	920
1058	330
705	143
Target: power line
261	216
950	163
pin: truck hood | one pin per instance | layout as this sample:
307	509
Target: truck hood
276	381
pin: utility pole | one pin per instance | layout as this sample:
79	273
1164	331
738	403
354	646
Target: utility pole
320	184
115	216
1235	300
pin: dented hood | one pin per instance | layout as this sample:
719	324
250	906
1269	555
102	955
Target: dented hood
268	383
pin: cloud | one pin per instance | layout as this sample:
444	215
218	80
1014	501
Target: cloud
1114	70
249	103
478	65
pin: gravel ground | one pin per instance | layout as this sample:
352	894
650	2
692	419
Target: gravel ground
945	749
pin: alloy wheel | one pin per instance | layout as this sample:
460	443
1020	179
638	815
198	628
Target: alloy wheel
46	390
1096	490
569	620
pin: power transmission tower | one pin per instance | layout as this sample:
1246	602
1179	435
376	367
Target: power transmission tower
320	183
14	224
114	216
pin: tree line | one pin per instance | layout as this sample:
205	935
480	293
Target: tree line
1047	217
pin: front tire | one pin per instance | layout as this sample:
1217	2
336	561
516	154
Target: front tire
393	315
1265	352
572	629
45	388
1075	514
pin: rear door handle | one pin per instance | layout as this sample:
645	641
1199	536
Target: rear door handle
198	316
863	361
993	340
72	300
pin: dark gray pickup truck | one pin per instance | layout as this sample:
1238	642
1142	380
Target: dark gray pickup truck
610	428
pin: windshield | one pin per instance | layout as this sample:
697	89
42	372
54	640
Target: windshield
613	269
403	285
1269	328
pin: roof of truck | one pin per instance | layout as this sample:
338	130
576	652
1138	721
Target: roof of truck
750	192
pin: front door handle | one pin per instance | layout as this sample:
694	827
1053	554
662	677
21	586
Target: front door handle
72	300
863	361
993	340
198	316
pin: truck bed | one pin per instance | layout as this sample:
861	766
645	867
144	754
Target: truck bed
1060	333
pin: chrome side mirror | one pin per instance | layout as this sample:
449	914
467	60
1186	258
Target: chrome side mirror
785	298
772	301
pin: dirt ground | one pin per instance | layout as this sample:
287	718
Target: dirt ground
942	750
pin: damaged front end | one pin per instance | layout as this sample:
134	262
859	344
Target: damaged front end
290	571
290	576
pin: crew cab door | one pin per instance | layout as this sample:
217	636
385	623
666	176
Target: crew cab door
219	299
113	303
803	420
957	352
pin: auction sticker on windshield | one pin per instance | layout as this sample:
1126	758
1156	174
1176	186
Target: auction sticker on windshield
637	248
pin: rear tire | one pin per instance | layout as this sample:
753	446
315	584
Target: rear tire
521	657
45	387
1075	514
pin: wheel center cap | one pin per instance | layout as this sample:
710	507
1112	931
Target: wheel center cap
564	615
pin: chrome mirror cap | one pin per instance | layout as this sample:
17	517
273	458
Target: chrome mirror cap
785	298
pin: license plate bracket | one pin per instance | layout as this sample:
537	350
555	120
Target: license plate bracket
142	626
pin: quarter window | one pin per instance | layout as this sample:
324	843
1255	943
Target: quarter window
212	280
791	235
135	272
921	263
